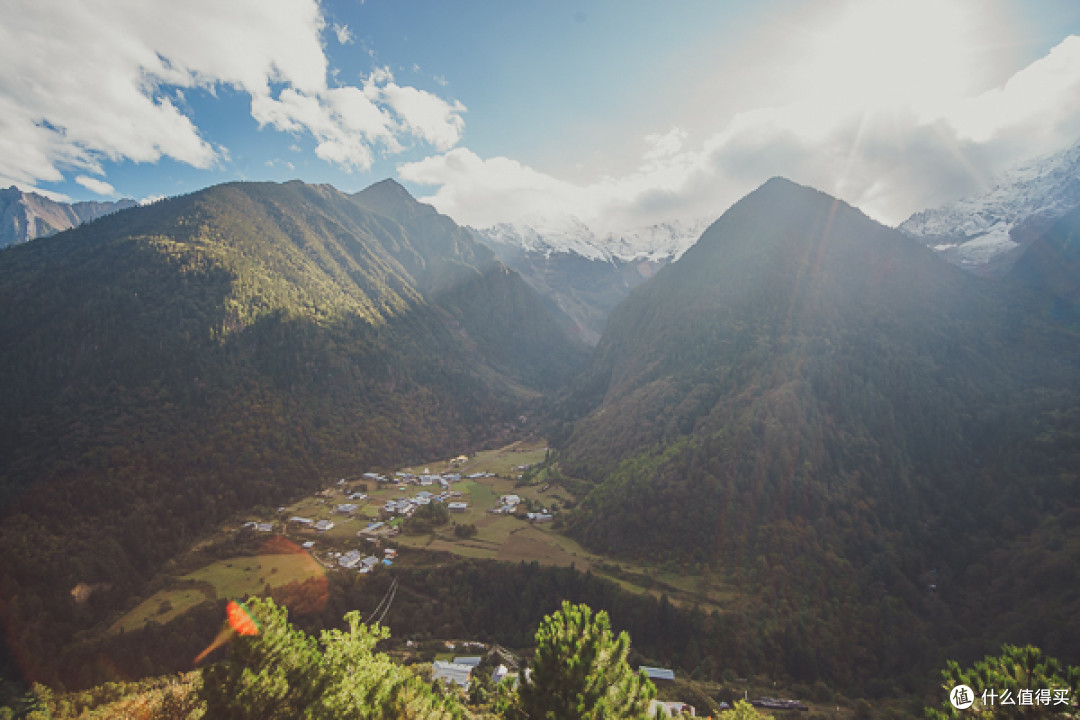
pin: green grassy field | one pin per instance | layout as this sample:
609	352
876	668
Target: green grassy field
241	576
496	529
234	578
499	537
505	461
162	607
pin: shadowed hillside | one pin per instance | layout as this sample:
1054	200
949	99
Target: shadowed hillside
820	410
171	364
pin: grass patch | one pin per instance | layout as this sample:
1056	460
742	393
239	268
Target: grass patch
245	575
530	544
178	602
414	541
497	529
506	460
481	496
464	550
233	578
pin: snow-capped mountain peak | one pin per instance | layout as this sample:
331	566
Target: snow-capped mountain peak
567	234
990	229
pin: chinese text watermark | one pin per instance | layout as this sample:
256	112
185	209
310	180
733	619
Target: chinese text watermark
962	697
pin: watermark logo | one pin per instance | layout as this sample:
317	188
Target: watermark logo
1042	696
962	697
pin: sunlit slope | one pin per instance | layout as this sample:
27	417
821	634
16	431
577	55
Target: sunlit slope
170	364
820	407
512	328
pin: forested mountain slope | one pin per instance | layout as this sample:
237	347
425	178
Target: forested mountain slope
1051	264
823	412
170	364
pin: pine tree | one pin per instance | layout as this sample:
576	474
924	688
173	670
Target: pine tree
1019	683
275	674
745	711
580	671
283	673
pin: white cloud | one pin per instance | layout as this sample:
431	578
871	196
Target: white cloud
426	116
343	34
482	192
96	186
666	145
117	70
278	162
1043	97
849	121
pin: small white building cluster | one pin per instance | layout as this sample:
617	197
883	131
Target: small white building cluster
355	559
459	670
425	479
320	525
507	505
406	506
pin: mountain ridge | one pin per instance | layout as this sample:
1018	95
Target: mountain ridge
796	404
582	273
987	232
168	365
25	216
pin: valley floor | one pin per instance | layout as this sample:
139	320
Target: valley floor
288	551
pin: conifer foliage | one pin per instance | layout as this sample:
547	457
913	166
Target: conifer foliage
580	671
284	673
1022	682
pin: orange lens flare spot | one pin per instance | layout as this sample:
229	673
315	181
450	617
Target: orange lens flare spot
240	619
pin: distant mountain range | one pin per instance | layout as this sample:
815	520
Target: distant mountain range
568	235
587	274
25	216
986	233
584	273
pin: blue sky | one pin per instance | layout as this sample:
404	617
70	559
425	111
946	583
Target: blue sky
618	112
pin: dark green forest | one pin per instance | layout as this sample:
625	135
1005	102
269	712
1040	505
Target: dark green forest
874	450
872	444
170	365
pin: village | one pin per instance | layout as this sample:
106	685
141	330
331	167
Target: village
499	504
390	514
361	521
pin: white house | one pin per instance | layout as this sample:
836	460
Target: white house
449	672
350	559
654	673
470	660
